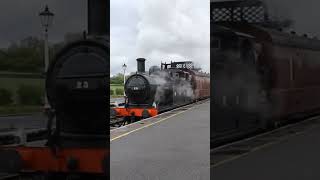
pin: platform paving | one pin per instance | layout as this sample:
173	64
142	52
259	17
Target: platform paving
175	148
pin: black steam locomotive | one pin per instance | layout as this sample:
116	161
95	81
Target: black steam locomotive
77	146
76	90
163	88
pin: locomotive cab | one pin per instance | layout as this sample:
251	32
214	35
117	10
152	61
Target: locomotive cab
236	80
232	47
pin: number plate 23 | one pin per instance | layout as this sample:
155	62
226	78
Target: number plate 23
82	85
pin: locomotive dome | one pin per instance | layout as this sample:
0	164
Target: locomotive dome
154	69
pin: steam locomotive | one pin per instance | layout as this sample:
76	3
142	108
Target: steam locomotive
77	146
262	76
163	88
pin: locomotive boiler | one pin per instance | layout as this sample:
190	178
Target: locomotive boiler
262	75
162	88
140	88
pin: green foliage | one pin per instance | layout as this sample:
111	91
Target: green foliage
5	97
16	109
30	95
113	90
119	91
117	79
25	56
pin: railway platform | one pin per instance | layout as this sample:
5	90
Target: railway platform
173	145
291	152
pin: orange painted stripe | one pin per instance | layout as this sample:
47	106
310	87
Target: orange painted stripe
124	112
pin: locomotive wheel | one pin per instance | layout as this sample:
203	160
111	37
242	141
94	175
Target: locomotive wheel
126	120
277	124
145	114
264	124
272	124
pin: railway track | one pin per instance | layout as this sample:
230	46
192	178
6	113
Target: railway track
119	132
116	122
31	176
16	136
232	151
9	176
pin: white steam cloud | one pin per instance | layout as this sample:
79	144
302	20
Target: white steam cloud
159	30
165	82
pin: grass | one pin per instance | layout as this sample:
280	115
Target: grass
114	87
18	109
12	84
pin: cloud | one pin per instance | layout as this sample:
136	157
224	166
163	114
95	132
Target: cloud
163	30
19	19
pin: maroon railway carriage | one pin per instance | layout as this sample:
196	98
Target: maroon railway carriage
261	75
201	87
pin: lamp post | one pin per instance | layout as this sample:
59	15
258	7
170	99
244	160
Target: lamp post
46	18
124	67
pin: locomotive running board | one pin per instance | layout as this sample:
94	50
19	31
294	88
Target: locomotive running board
44	159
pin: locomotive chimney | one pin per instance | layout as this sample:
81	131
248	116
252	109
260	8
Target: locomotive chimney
141	65
98	17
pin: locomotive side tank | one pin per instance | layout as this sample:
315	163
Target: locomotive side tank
236	82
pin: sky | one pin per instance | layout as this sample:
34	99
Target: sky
19	19
159	30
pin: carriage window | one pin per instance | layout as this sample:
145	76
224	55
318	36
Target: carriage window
215	43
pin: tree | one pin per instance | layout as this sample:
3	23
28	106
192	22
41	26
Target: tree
26	56
117	79
5	97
